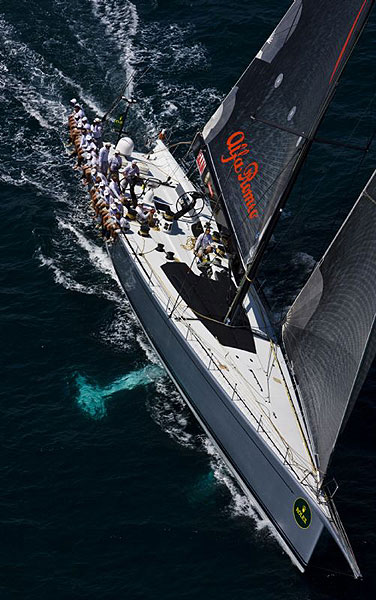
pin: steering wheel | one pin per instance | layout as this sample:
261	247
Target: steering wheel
152	183
148	183
185	199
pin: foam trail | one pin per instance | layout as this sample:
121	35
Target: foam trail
60	277
92	398
37	85
82	95
121	23
147	348
64	278
241	504
97	255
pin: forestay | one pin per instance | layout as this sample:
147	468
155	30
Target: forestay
257	139
329	333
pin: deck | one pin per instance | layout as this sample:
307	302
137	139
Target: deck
247	362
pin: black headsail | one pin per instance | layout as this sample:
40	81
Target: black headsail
330	330
258	138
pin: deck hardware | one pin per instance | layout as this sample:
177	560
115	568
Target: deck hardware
305	476
330	488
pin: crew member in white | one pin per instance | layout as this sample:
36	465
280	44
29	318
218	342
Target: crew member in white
115	163
97	132
72	122
115	189
142	216
132	174
124	224
90	144
203	243
81	147
79	114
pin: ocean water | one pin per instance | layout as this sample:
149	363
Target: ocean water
109	488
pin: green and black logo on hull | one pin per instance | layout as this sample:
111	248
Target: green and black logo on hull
302	513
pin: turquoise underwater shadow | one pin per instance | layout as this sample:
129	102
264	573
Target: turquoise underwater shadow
92	398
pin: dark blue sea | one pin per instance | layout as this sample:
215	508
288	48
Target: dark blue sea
108	487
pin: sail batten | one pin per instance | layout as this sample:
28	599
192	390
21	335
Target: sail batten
330	330
257	138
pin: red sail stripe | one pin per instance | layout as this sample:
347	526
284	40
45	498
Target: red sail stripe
347	40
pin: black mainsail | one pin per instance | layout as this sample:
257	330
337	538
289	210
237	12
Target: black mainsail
330	330
258	138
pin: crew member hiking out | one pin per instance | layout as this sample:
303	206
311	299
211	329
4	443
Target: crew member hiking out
97	132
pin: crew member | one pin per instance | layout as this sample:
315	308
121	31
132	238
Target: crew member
115	189
132	177
73	122
162	135
152	220
97	132
103	158
85	142
203	243
94	157
115	163
123	223
79	113
142	216
82	122
90	146
72	117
